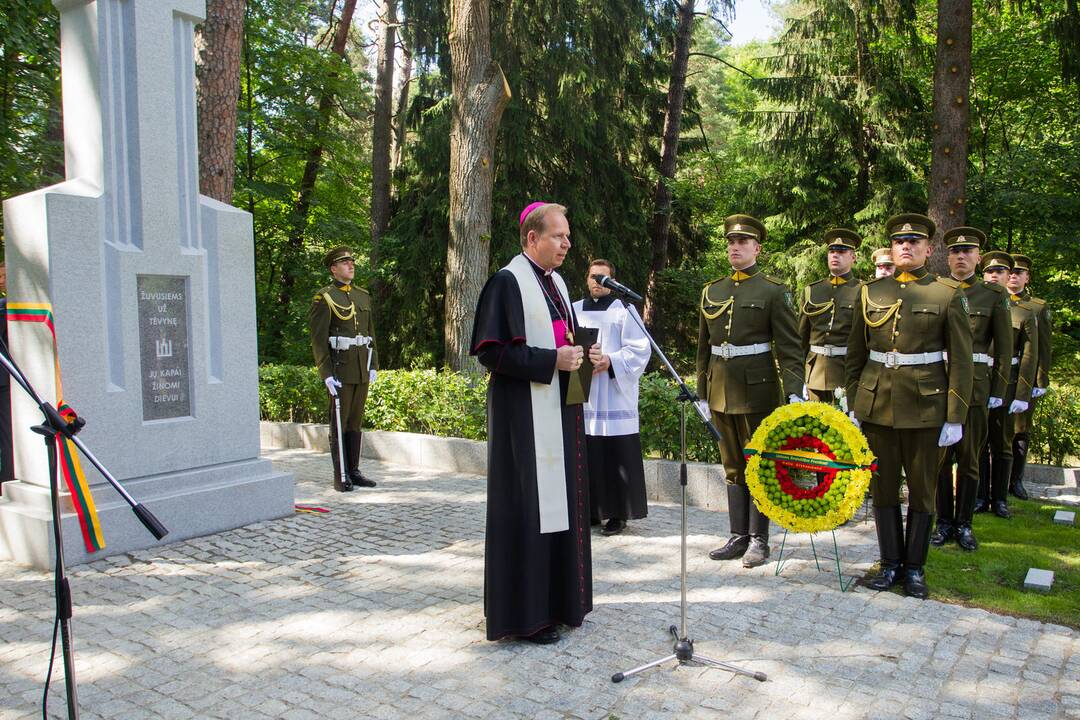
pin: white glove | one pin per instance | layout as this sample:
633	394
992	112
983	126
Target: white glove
1037	392
372	375
805	393
950	434
1017	407
704	405
994	403
794	399
854	419
332	385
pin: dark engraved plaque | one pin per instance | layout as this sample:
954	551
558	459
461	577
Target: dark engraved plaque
163	346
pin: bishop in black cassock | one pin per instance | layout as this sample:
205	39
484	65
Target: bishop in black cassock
537	559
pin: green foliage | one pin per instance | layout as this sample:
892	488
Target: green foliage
31	154
1055	435
659	413
420	401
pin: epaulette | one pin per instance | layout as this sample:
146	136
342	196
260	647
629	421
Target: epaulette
871	281
771	279
995	287
955	284
1038	302
1031	306
713	282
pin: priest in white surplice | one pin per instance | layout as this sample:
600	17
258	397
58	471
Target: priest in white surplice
616	470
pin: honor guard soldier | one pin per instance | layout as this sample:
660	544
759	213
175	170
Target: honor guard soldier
995	466
909	401
1018	285
343	343
746	319
825	320
883	264
991	329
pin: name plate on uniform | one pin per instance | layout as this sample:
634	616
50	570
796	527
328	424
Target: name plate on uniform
163	346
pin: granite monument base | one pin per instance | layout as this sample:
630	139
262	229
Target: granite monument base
190	503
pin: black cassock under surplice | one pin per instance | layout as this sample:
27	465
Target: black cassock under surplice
531	580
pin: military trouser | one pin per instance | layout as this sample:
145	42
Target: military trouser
995	463
914	451
735	434
353	397
958	508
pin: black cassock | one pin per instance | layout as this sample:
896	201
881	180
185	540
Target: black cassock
531	580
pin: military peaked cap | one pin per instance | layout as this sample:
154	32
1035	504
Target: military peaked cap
963	237
909	224
744	225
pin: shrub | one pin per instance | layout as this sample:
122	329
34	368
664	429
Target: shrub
1055	432
422	401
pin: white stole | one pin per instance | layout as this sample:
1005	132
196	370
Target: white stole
545	399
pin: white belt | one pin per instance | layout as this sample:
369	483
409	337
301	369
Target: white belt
728	351
976	357
829	350
1015	361
338	342
898	359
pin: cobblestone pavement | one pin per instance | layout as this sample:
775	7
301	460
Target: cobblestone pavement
375	610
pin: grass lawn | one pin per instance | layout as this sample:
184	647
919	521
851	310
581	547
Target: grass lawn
993	576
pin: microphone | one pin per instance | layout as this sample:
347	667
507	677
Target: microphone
618	287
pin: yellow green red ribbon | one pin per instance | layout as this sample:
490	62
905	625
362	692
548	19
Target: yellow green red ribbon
67	460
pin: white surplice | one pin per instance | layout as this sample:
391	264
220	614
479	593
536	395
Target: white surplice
613	399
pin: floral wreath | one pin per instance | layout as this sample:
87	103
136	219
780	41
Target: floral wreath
808	467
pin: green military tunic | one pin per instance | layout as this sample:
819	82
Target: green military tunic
745	309
824	326
343	310
903	407
1044	331
991	329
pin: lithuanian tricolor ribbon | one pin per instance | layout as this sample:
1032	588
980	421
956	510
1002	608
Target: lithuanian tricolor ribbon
67	459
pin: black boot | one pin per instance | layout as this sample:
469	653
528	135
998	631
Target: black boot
738	506
757	553
942	533
917	544
965	508
352	451
341	484
1016	478
890	534
999	487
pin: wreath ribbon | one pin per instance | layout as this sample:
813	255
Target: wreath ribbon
67	459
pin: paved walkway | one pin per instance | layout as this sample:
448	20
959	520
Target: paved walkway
375	610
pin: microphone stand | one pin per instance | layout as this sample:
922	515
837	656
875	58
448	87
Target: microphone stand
54	424
683	649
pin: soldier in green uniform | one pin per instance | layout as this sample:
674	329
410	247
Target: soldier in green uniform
909	401
883	263
746	319
825	320
995	466
343	343
1018	285
991	329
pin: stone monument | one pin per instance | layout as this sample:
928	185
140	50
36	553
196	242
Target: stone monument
152	289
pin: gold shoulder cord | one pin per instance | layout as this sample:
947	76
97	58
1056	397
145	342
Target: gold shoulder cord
340	311
720	309
813	309
891	311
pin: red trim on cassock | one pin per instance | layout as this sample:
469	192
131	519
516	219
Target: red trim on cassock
484	343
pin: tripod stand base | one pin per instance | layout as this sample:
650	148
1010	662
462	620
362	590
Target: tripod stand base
684	653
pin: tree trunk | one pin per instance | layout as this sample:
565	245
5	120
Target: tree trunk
312	165
952	88
218	47
480	94
402	111
381	133
660	226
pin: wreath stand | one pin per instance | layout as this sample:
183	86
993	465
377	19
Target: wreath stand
780	560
